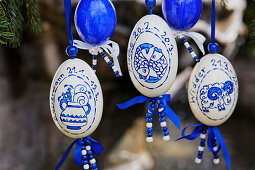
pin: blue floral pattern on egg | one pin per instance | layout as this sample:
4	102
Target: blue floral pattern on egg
76	101
213	90
152	56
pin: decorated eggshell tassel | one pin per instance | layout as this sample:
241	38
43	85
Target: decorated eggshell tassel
212	95
182	16
152	60
76	104
95	21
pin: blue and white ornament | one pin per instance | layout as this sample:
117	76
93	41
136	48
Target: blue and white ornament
76	104
181	15
95	21
213	90
152	60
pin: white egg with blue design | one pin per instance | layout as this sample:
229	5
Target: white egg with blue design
213	90
76	99
152	56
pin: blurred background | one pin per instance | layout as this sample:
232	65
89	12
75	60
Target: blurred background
29	139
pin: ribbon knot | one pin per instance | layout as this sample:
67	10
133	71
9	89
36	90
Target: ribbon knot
163	99
213	133
95	146
197	37
110	47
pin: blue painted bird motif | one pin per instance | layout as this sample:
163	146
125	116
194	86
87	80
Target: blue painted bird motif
150	63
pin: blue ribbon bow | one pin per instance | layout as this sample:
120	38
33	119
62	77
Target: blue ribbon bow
95	146
164	99
213	132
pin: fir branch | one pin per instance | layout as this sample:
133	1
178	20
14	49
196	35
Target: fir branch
33	16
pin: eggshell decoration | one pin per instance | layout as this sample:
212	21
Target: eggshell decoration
152	56
76	100
182	14
95	20
213	90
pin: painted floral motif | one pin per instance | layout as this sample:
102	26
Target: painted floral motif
75	107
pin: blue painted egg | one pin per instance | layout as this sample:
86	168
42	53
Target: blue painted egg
213	90
95	20
182	14
76	99
152	56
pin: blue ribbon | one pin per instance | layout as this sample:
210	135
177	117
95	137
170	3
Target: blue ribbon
95	146
69	20
213	132
164	99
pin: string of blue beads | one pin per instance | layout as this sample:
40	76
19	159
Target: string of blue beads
216	158
163	124
149	120
110	63
189	48
201	147
94	63
87	154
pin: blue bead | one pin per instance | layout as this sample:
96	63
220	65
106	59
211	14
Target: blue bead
213	47
150	3
183	39
181	14
161	105
149	120
95	169
162	119
93	165
95	20
216	156
202	144
117	75
162	114
84	162
204	131
153	105
83	147
84	157
71	51
199	156
149	130
202	140
91	157
153	101
166	133
164	128
89	152
149	115
94	67
94	57
149	134
200	152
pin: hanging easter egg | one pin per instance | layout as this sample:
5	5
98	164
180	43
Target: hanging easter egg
152	56
213	90
182	14
76	100
95	20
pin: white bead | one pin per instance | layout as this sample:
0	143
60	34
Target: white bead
215	148
100	50
92	161
107	59
166	138
186	44
94	62
202	136
198	161
88	148
160	109
83	152
216	161
149	125
149	139
163	124
86	166
193	54
200	148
